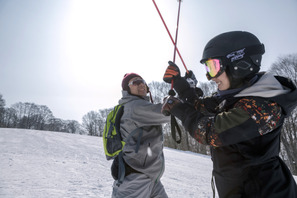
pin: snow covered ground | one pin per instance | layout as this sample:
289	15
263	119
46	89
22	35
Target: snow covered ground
37	164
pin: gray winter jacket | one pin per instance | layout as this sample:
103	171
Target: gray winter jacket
139	112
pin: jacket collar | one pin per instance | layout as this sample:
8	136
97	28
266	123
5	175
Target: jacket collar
127	97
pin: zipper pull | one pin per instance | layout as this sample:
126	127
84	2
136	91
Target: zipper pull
149	150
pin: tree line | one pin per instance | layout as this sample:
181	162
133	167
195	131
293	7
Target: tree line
286	66
32	116
40	117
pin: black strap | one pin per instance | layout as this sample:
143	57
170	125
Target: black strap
174	127
213	186
138	140
121	173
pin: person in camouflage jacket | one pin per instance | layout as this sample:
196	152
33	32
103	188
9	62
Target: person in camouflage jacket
242	122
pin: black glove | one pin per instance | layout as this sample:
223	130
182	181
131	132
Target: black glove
184	86
211	104
191	78
199	92
186	113
183	111
172	72
168	103
180	85
185	91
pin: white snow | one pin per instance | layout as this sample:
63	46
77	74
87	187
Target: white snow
37	164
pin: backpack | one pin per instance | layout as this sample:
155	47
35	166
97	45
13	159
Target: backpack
112	140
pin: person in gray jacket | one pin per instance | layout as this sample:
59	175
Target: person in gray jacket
143	152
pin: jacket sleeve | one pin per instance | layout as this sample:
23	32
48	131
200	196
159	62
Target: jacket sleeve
248	119
144	113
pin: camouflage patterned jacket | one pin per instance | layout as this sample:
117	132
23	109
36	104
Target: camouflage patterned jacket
244	134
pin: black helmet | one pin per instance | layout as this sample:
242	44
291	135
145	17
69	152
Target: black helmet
240	53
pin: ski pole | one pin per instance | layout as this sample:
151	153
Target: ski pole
176	33
174	124
170	35
175	42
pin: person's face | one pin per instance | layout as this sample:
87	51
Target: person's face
222	81
137	86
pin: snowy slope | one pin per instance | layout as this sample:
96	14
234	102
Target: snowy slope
49	164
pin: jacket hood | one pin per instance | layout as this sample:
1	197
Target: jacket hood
267	86
276	88
126	97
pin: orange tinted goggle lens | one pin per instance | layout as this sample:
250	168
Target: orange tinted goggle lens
213	66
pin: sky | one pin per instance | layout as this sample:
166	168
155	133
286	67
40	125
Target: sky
61	165
71	55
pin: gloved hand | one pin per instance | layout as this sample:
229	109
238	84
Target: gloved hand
184	86
211	104
199	92
171	72
168	103
181	85
191	78
185	112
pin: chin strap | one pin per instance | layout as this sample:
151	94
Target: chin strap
151	98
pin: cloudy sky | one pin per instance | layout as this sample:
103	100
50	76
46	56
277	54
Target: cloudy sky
71	55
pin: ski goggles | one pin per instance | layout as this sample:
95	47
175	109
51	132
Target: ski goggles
214	68
137	82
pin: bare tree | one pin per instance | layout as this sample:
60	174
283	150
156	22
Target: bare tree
32	116
159	90
73	126
9	119
91	123
55	124
208	88
42	116
2	110
102	115
287	66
